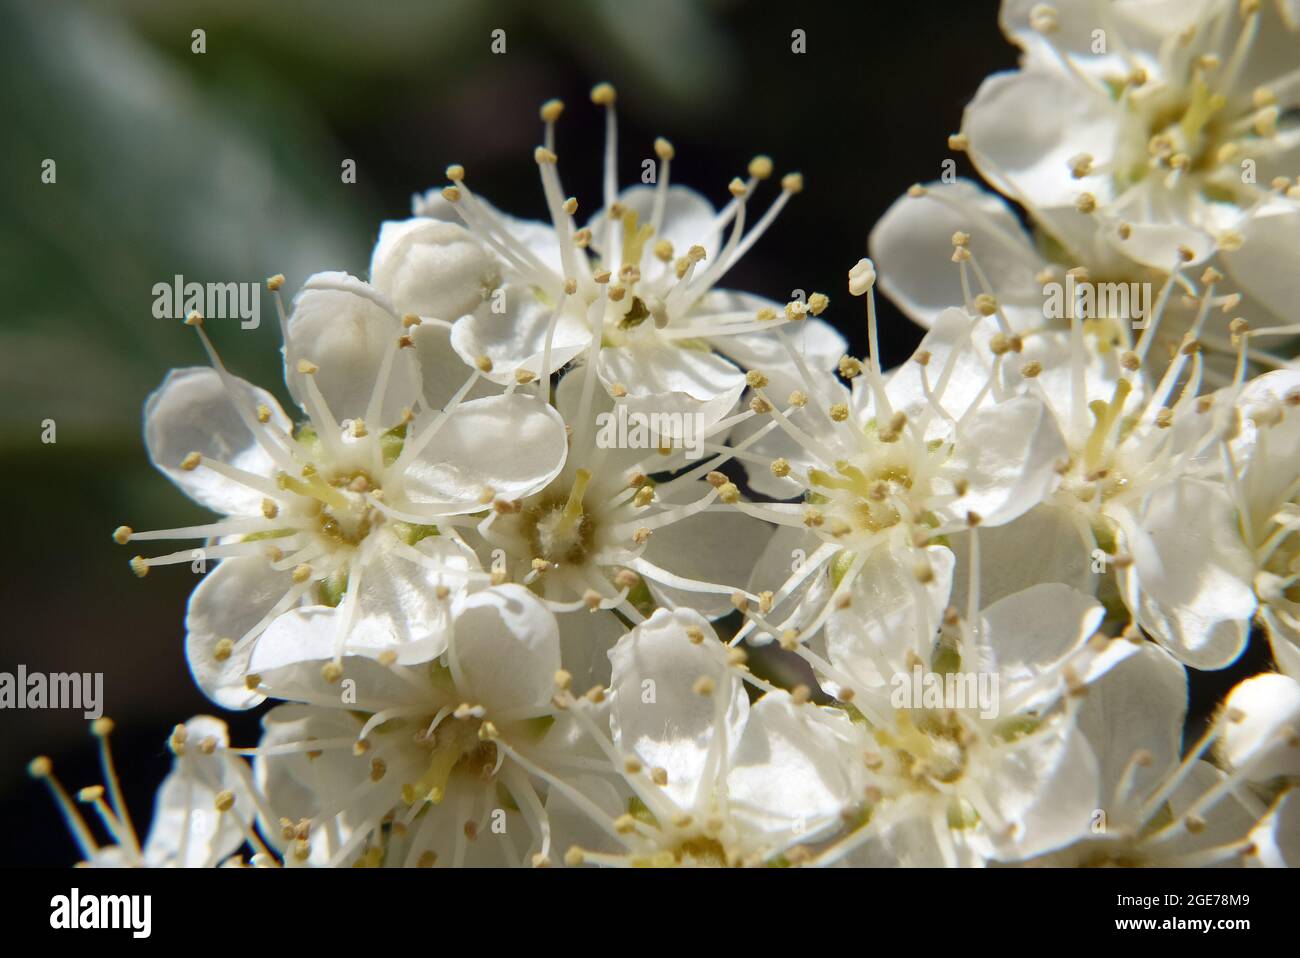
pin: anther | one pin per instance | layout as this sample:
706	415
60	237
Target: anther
862	277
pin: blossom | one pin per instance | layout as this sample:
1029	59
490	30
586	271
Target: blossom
898	460
202	816
1161	125
1142	454
1267	492
1157	806
1033	282
633	292
992	765
389	764
603	542
807	611
714	781
353	509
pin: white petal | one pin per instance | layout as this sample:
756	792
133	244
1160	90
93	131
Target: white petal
1046	784
793	774
297	786
289	655
1277	836
192	412
506	650
713	547
655	711
345	327
187	798
891	615
397	608
955	340
432	269
1159	231
1264	266
230	600
664	378
1192	574
1046	544
512	444
912	248
905	841
1032	633
1007	453
1263	741
1030	161
1137	706
516	338
585	641
687	220
537	237
442	370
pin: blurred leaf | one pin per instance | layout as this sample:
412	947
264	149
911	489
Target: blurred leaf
155	178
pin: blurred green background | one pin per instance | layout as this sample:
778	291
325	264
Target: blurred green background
226	166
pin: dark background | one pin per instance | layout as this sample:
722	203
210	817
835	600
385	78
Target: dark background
226	166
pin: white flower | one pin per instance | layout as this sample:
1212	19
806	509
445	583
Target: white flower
644	309
1160	122
1124	306
414	765
1276	838
1140	456
940	444
1156	807
1261	738
202	815
603	542
1268	490
714	780
355	508
971	743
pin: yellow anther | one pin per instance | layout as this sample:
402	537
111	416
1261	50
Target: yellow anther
551	110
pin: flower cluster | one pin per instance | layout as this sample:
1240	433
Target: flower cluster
942	614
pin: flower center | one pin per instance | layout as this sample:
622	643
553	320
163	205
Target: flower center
874	491
344	515
454	746
929	748
559	530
